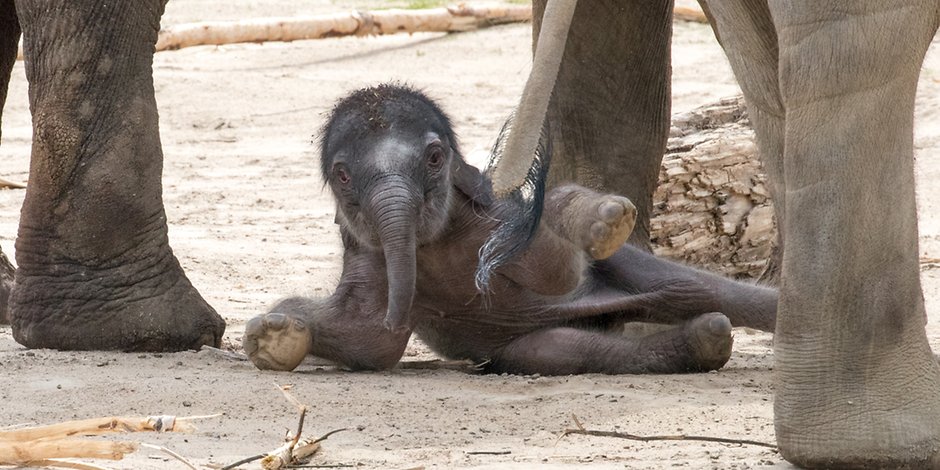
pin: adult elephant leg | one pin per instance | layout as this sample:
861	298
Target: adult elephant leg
9	40
609	115
95	270
746	33
856	383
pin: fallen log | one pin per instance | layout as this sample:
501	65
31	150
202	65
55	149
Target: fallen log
690	14
712	208
455	18
356	23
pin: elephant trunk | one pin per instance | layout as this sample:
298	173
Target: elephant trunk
395	213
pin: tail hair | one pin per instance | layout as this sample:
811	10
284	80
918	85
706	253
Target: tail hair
520	216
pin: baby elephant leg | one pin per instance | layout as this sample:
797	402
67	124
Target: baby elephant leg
598	223
276	341
701	344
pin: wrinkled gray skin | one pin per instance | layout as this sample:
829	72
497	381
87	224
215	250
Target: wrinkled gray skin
413	216
95	270
830	89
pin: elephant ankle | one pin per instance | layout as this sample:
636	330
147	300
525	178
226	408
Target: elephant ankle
74	307
853	413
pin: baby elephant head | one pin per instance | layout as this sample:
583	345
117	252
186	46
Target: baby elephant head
391	158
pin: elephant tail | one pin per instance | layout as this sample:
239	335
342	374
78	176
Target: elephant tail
520	211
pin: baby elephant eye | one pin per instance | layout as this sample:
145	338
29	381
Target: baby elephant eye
435	157
341	175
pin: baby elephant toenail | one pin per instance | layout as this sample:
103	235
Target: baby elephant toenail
277	321
600	231
611	210
720	325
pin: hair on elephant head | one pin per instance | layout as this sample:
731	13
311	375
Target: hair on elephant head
391	158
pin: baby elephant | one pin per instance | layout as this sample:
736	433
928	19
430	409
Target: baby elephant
413	216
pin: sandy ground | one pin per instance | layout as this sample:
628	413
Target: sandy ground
250	223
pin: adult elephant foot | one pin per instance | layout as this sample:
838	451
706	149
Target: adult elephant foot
112	308
828	417
276	341
856	383
95	269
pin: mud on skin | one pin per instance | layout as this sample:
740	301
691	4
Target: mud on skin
413	216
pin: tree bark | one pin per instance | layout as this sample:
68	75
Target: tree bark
712	208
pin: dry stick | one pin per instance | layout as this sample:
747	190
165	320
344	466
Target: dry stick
340	465
438	364
325	436
261	456
170	453
98	426
53	463
693	15
285	390
634	437
243	462
57	440
5	183
300	427
296	449
23	452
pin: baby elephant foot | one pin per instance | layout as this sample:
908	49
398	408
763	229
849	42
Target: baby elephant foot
276	341
598	223
614	217
709	340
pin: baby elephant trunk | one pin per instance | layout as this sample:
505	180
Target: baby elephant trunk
395	212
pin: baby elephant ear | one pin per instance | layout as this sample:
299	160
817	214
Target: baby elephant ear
470	181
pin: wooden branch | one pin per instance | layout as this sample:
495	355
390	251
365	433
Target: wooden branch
633	437
296	450
171	454
690	14
25	452
438	364
53	463
98	426
357	23
5	183
35	445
